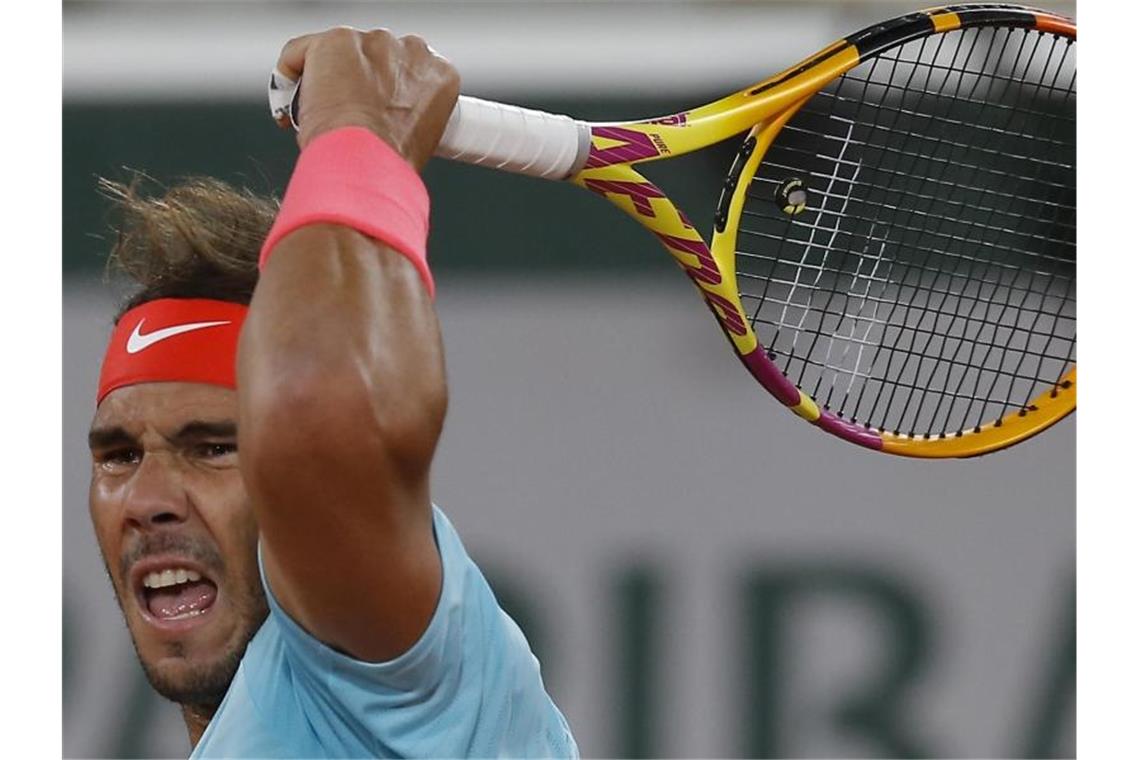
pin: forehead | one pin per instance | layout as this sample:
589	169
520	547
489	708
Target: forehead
165	404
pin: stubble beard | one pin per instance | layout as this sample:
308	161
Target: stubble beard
202	687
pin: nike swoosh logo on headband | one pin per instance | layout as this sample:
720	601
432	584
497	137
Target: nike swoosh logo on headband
137	341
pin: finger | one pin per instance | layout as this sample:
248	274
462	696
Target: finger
291	61
416	42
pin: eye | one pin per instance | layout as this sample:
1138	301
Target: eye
215	449
121	457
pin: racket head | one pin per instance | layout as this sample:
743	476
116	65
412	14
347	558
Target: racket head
920	297
921	365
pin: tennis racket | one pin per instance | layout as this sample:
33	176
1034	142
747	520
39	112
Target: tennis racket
893	254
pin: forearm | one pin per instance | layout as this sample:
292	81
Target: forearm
338	313
342	347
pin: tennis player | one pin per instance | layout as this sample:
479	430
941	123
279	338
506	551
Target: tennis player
304	598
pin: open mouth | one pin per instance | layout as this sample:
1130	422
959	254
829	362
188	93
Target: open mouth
174	592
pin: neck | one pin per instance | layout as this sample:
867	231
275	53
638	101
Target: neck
197	718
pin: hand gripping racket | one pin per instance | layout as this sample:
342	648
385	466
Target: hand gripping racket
893	255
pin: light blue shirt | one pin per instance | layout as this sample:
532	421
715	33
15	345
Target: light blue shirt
470	687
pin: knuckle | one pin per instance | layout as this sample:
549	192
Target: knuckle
379	36
378	41
414	41
341	34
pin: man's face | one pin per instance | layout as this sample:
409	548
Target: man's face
177	533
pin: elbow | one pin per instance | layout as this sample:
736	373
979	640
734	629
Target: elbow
333	420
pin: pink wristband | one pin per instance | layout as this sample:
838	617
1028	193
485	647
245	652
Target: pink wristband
350	176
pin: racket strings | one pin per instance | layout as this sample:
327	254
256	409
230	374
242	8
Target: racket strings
1005	350
929	285
895	174
877	124
926	307
951	237
996	77
1052	282
969	320
912	288
910	396
957	98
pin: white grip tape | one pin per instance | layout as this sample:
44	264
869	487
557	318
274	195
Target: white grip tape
514	139
485	133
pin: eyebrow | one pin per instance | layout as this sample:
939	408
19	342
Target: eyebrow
106	437
195	430
198	430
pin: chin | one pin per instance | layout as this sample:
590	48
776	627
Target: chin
199	683
192	660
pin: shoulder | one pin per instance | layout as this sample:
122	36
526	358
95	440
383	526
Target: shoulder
259	716
469	683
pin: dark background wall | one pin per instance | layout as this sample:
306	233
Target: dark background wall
482	221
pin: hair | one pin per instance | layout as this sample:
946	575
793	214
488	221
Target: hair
200	238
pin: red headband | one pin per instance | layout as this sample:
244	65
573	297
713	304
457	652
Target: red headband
191	340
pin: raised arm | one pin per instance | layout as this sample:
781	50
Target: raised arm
340	373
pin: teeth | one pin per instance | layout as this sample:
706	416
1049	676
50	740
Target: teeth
170	577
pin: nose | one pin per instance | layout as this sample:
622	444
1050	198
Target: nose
155	495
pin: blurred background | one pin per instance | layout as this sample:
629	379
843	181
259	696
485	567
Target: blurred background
700	573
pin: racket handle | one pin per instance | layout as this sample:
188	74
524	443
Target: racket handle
513	139
481	132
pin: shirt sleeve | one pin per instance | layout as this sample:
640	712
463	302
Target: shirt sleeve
469	686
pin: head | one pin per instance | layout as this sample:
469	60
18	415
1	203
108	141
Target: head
170	512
